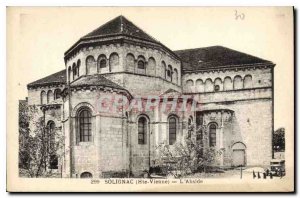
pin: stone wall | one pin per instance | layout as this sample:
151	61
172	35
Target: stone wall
156	61
251	122
195	82
107	150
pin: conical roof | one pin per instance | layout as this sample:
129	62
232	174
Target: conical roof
120	25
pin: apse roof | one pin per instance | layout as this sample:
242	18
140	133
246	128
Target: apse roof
215	57
56	78
120	25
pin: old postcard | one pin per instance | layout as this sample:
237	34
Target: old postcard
150	99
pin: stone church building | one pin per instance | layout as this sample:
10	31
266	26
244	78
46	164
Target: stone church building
231	92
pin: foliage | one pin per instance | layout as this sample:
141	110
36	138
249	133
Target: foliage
185	158
279	140
37	151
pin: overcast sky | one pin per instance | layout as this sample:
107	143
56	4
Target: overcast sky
40	36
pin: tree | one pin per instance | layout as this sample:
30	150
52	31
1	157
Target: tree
185	158
38	148
279	140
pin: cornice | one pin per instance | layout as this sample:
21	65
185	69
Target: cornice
225	68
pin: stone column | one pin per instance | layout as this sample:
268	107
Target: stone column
222	139
97	144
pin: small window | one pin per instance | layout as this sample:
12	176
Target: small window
212	135
172	130
217	87
163	70
142	130
141	65
86	175
175	76
78	67
103	63
57	94
69	73
74	68
53	160
43	97
51	136
75	72
169	73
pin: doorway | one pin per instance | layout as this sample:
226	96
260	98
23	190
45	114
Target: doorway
238	154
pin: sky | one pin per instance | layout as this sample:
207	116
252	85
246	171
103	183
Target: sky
38	37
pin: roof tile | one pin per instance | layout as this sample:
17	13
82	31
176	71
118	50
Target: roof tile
215	57
95	80
120	25
56	78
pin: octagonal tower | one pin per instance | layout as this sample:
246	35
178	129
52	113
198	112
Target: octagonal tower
126	55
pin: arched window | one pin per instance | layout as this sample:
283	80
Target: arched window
51	135
218	85
151	66
175	76
78	67
101	62
69	73
248	81
130	62
142	130
199	85
90	65
74	69
190	86
53	161
57	93
163	68
141	65
169	73
227	83
113	61
172	130
85	125
212	135
209	87
237	82
50	96
43	97
86	175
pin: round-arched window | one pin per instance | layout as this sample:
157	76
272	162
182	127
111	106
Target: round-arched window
172	130
85	125
86	175
141	65
212	135
142	130
103	63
